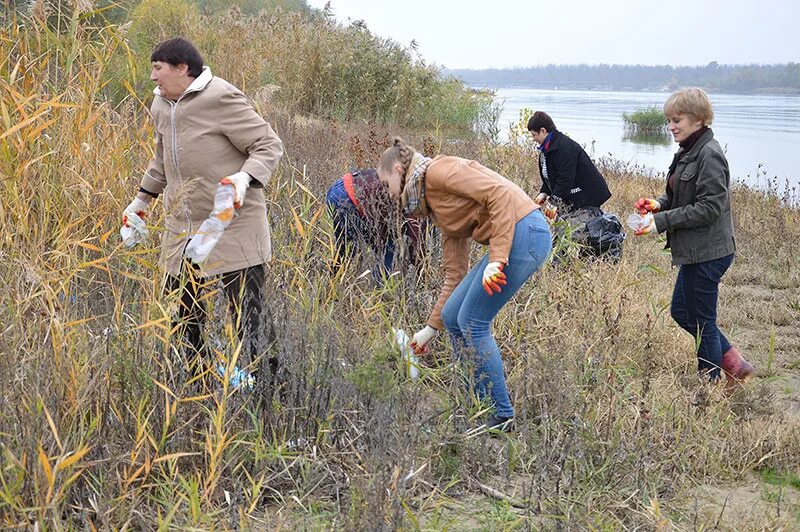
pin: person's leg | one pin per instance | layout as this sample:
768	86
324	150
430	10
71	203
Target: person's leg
388	255
452	307
709	275
531	246
701	292
678	306
245	292
187	326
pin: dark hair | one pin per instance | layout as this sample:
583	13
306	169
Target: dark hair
179	50
540	120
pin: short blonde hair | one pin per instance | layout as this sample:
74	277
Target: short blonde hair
691	101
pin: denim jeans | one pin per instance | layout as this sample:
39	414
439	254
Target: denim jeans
351	229
694	308
469	310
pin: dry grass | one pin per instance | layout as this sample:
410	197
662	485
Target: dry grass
100	427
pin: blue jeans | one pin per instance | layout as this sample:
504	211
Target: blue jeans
694	308
469	311
351	228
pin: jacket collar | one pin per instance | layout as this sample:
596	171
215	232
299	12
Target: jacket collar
691	154
553	141
198	84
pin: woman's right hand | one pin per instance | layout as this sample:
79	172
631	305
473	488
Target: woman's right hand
421	338
133	228
645	205
540	198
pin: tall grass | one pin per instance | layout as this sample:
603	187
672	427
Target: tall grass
647	121
102	427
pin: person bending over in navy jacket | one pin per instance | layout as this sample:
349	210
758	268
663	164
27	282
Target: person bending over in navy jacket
362	213
570	180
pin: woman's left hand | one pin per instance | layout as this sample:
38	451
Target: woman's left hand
493	278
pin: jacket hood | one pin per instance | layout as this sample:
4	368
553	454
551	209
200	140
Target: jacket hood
198	84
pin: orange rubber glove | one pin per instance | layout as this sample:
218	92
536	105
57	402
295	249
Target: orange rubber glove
494	278
550	211
645	205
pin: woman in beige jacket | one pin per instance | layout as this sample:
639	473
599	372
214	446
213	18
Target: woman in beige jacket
467	201
212	150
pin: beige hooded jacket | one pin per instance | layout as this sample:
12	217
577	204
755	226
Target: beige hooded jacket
212	131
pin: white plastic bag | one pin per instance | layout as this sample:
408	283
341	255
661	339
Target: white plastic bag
204	241
637	222
410	360
134	231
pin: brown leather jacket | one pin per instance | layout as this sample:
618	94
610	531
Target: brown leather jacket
467	201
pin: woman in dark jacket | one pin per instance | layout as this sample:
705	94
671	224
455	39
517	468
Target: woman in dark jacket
695	212
569	177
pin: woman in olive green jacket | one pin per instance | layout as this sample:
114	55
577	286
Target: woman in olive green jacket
695	212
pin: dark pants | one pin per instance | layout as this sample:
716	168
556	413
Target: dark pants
251	319
352	229
694	308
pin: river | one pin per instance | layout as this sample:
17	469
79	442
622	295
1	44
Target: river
760	133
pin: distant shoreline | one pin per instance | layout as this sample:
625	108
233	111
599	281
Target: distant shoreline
715	78
765	91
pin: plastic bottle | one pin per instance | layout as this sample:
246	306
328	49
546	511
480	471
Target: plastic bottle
410	360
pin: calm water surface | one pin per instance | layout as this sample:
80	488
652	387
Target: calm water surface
760	133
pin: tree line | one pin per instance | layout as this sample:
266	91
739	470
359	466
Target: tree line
783	78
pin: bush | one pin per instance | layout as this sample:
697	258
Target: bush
649	120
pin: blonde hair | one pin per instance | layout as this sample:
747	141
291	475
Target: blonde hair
398	152
691	101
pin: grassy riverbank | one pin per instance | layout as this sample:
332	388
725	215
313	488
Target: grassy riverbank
100	428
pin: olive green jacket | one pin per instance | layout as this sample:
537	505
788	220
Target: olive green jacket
696	214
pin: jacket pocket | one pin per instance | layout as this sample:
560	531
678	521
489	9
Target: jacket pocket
540	243
688	184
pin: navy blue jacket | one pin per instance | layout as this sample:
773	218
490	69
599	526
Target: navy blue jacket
569	175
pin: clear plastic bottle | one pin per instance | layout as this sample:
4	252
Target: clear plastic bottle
410	360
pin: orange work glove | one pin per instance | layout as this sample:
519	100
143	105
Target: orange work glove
550	211
493	278
645	205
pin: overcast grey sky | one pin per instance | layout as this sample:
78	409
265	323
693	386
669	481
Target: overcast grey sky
508	33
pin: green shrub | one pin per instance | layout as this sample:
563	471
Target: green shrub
648	120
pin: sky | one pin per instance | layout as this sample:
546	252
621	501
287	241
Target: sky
518	33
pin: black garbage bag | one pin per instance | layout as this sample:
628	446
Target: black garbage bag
599	233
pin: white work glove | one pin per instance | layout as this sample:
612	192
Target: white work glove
203	241
133	229
540	198
241	182
494	278
421	338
